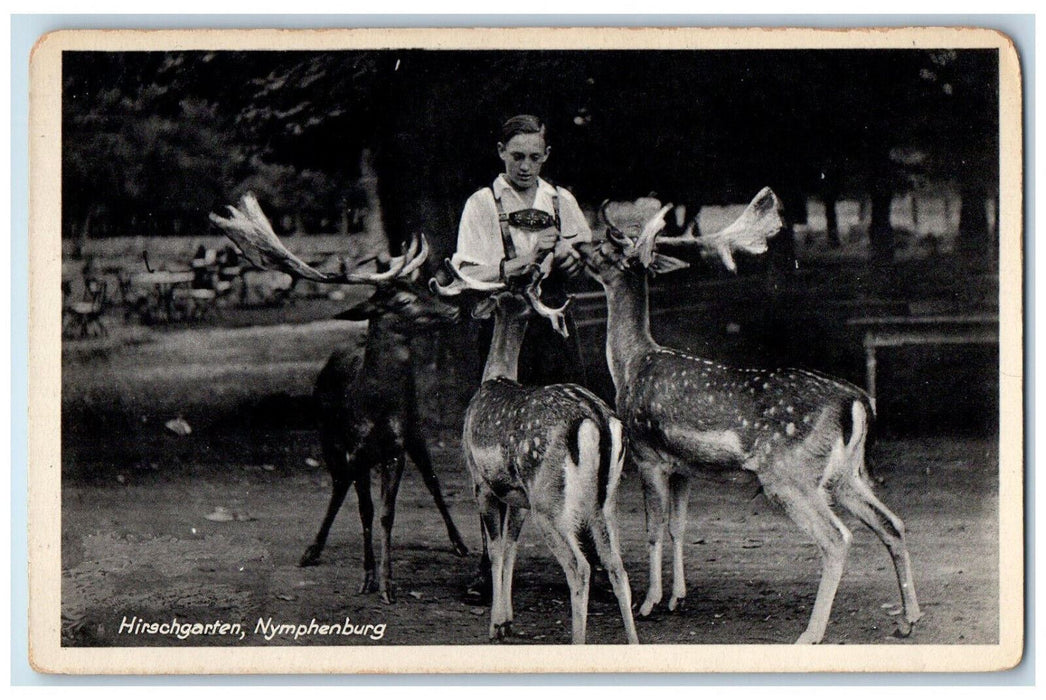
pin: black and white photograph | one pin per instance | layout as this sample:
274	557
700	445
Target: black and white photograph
458	349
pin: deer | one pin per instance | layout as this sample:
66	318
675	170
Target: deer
800	432
367	408
556	451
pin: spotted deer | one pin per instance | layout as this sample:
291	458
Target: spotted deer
367	408
801	433
556	451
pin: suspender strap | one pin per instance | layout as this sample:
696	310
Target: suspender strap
506	235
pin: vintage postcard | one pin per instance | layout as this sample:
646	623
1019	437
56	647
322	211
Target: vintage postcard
526	350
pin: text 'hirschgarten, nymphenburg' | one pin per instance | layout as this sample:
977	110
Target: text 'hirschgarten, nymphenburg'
264	627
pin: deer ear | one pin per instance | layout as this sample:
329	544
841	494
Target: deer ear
662	264
363	311
484	308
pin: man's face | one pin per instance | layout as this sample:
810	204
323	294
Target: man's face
523	156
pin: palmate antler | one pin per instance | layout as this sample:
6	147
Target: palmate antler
531	290
749	233
248	227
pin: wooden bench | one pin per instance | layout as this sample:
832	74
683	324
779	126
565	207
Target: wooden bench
896	331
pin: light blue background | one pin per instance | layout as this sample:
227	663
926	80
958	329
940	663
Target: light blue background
26	29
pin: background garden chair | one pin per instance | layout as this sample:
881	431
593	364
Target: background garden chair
84	315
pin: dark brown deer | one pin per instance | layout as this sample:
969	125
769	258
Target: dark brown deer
367	408
555	450
801	433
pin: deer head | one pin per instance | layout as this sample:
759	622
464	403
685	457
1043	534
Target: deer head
525	288
633	228
397	298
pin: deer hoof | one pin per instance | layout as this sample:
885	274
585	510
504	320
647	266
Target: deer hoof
369	585
479	591
311	556
647	607
460	549
676	603
387	596
904	629
501	631
808	637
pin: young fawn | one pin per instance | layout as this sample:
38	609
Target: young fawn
555	450
801	433
367	408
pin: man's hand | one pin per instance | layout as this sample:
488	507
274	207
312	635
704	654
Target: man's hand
548	239
519	266
566	259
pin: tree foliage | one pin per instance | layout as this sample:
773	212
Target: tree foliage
153	141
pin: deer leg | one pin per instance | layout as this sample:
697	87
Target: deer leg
366	504
492	517
655	497
679	487
339	489
808	508
514	519
604	534
857	497
390	484
419	454
478	589
342	467
579	594
565	548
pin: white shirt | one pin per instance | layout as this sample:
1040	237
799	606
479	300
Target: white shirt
479	234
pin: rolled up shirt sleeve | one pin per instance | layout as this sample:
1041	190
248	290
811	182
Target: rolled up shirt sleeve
479	234
572	220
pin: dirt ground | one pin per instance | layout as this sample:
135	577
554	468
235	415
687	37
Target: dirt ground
137	542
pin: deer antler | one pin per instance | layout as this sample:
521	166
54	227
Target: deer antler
463	282
555	315
644	247
248	227
760	221
749	233
417	260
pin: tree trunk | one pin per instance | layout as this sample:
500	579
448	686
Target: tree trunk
974	228
343	220
781	256
880	231
831	220
374	222
83	233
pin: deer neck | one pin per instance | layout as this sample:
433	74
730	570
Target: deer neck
387	349
628	325
503	357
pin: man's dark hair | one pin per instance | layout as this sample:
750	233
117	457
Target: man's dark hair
522	124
